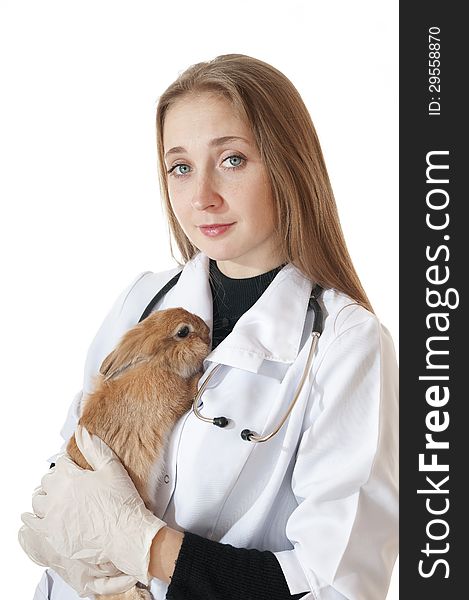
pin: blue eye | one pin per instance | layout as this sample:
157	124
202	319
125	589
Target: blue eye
236	157
176	166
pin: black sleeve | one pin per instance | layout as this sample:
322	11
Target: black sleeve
208	570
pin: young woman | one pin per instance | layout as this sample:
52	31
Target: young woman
312	511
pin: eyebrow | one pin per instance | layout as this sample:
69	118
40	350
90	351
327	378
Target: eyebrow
213	143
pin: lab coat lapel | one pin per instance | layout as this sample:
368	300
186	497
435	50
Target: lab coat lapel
270	330
192	290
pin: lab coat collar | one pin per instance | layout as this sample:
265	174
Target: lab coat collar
271	330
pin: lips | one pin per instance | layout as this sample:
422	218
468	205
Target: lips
215	229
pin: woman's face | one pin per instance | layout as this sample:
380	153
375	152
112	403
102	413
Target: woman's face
218	187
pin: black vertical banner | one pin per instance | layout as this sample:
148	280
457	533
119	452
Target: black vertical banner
434	266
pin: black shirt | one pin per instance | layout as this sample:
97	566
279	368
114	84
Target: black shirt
233	297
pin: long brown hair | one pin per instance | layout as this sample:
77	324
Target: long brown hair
307	220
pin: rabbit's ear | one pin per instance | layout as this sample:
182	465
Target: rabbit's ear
108	366
117	362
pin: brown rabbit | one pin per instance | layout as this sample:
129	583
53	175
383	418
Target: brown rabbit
145	385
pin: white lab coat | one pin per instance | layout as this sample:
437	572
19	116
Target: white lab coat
321	494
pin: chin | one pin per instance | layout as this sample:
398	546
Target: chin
215	252
217	256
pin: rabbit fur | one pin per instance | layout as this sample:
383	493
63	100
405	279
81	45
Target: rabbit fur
144	386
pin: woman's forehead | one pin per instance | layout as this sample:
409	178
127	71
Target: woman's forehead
203	115
203	97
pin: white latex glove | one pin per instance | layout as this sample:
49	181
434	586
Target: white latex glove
94	516
86	579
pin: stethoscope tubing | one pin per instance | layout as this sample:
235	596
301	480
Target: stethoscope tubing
247	434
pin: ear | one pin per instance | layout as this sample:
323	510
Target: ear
119	361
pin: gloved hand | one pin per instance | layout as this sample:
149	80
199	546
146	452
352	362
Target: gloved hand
94	516
86	579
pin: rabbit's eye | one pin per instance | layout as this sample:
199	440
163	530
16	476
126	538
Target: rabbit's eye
183	332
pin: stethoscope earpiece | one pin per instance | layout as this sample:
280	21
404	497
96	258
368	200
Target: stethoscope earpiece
246	434
220	421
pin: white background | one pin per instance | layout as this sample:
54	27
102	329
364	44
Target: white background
81	213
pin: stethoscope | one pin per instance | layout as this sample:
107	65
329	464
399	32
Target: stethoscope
247	434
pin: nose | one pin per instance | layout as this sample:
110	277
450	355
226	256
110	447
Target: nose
205	194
